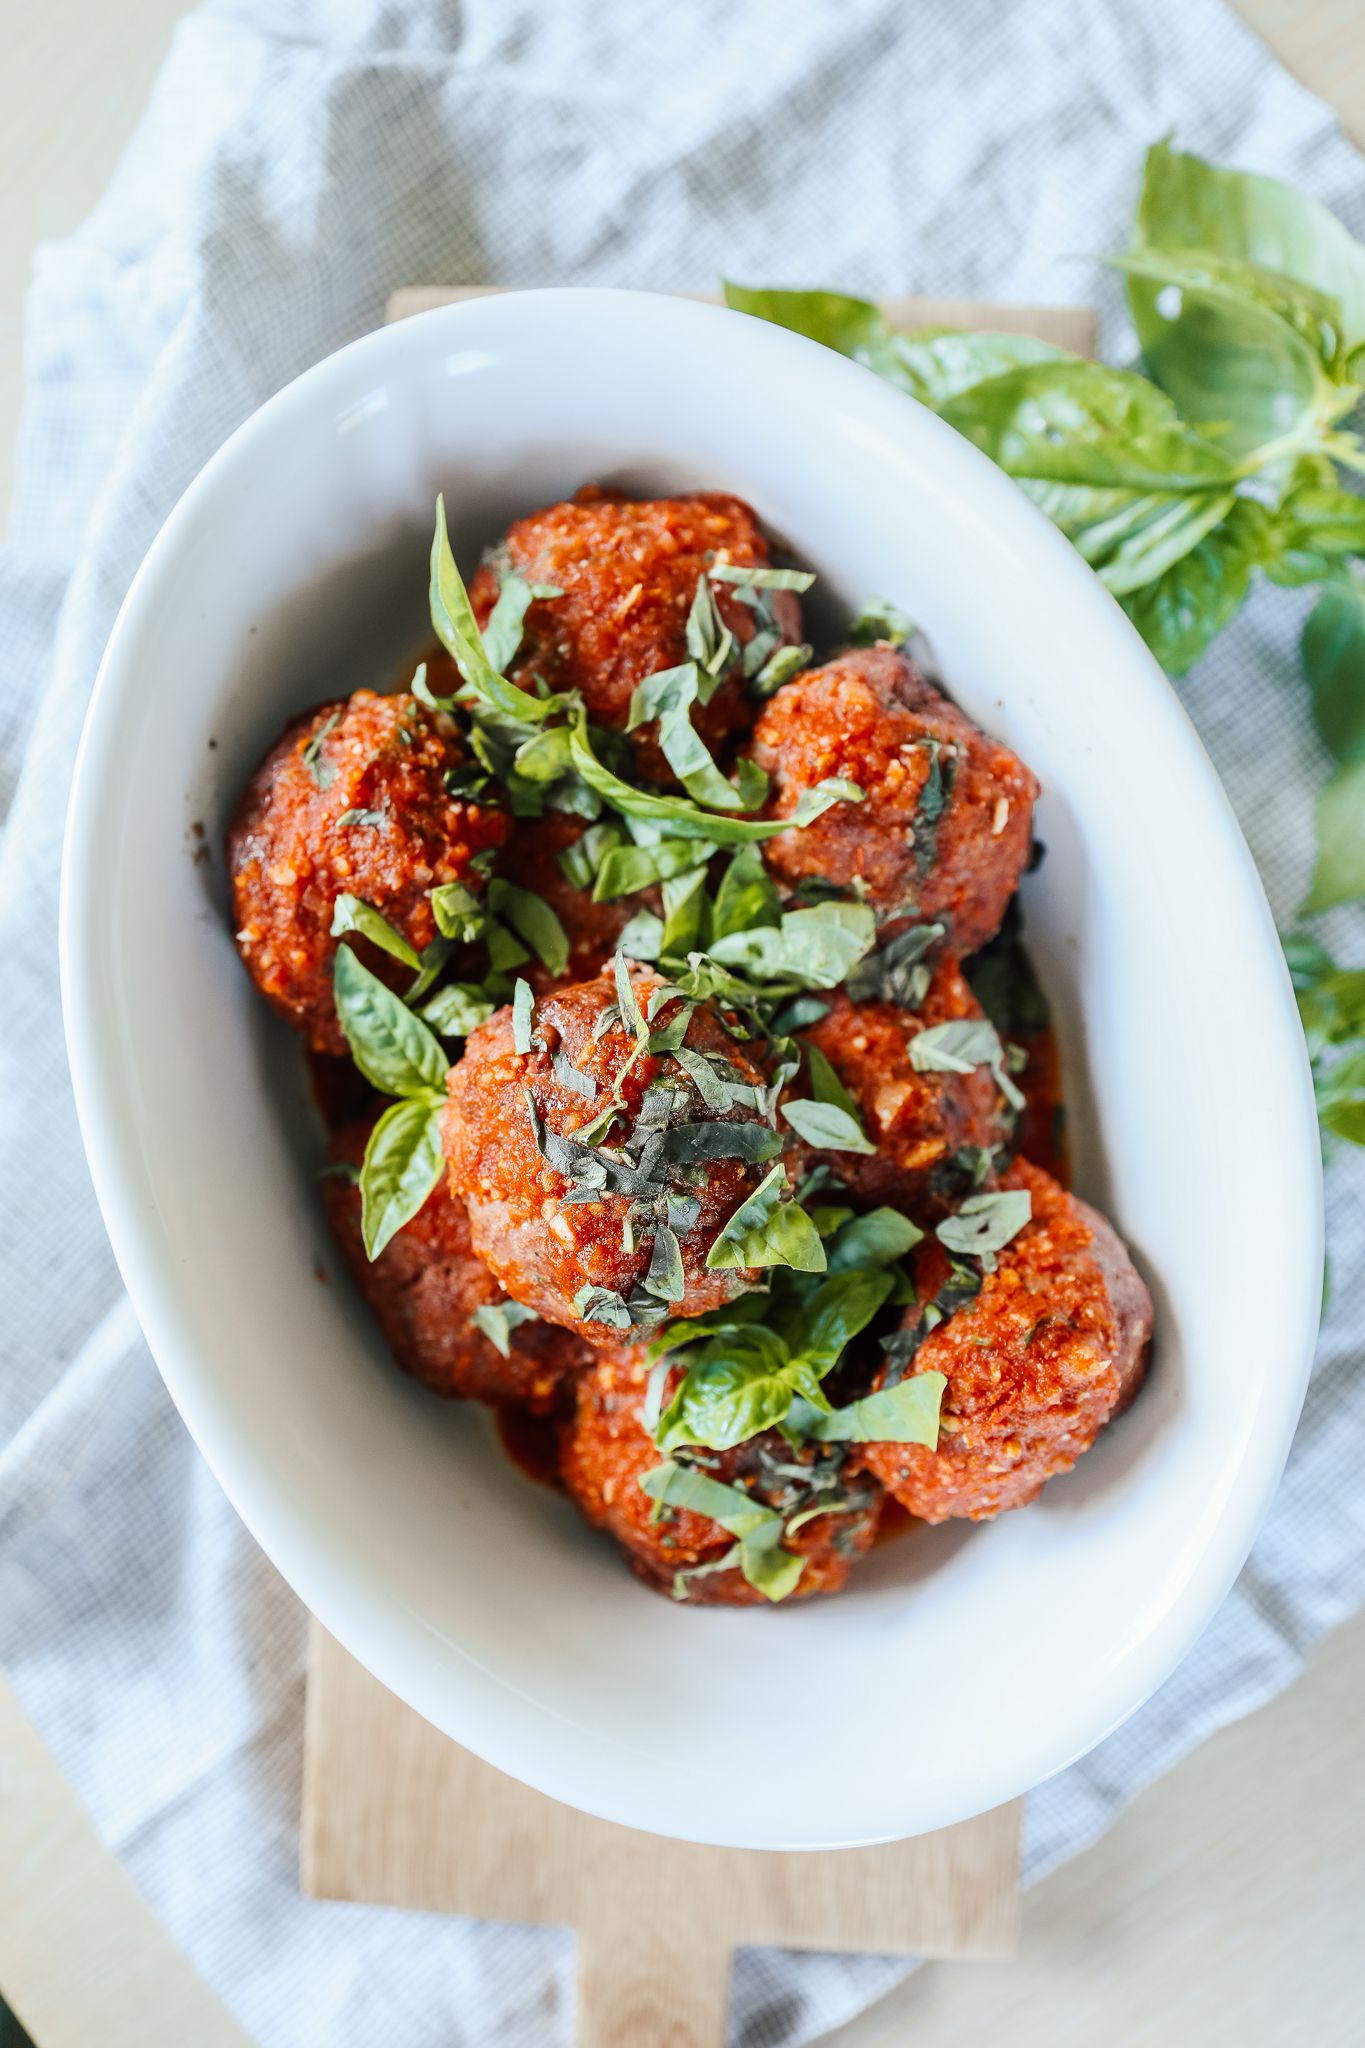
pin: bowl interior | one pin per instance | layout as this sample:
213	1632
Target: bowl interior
963	1663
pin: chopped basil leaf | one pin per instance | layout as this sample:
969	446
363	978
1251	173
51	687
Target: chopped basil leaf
601	1305
458	631
765	1231
572	1077
523	1011
904	1414
502	636
898	973
986	1223
531	916
581	862
761	579
877	1239
458	912
688	1144
643	937
747	897
456	1010
772	1571
672	1036
933	801
879	619
716	1080
627	869
816	946
955	1047
687	913
376	820
665	1276
805	1010
353	914
498	1319
684	819
403	1163
392	1048
433	959
631	1020
780	667
826	1128
710	642
314	760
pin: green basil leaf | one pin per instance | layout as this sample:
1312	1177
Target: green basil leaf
770	1570
457	1010
602	1305
689	1144
314	760
827	1085
956	1047
682	1486
817	946
665	1276
457	629
944	361
795	1017
1314	529
879	619
1079	423
498	1319
403	1163
877	1239
827	1128
458	912
854	327
737	1386
631	1019
843	1306
1339	876
582	862
1235	343
523	1014
1190	602
643	937
986	1223
544	759
765	1231
904	1414
352	914
779	667
392	1048
747	898
813	803
683	819
1187	204
532	918
1334	657
505	951
710	642
503	634
761	579
748	1308
627	869
687	914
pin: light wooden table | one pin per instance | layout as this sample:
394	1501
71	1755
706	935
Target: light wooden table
1224	1909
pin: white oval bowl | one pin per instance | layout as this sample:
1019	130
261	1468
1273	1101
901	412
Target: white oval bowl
964	1663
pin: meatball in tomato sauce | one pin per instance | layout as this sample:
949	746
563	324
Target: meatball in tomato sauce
554	1217
917	1121
427	1286
945	825
605	1450
350	800
628	570
1053	1347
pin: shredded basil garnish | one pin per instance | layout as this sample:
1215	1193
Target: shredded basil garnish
314	760
498	1319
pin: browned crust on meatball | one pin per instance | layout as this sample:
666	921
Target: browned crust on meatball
866	716
424	1289
628	570
531	861
1036	1364
290	855
917	1121
542	1248
604	1452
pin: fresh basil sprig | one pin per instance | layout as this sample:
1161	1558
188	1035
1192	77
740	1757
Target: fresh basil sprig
769	1568
396	1052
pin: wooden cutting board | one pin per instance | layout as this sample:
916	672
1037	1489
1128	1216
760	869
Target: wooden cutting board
396	1814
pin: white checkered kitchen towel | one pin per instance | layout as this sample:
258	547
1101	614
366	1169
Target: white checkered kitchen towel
296	163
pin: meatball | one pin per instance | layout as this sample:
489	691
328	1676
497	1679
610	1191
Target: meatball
945	827
1052	1348
425	1288
351	799
629	571
605	1450
546	1237
531	861
916	1121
